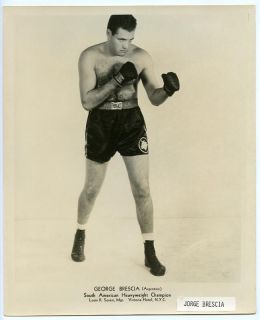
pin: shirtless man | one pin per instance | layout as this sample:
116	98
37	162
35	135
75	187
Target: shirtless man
109	74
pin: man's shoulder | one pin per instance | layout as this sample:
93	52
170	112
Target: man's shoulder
141	54
92	51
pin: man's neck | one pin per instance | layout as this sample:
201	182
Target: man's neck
108	50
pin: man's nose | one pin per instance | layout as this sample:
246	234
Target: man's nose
125	45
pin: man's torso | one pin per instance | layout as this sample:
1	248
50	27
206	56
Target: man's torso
106	66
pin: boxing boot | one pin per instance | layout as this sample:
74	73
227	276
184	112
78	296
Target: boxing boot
151	261
77	253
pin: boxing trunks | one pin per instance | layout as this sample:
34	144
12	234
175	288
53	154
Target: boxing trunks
112	127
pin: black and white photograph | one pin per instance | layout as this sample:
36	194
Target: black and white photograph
129	160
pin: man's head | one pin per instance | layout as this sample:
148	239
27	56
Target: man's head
120	33
124	21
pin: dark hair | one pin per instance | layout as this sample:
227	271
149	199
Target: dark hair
124	21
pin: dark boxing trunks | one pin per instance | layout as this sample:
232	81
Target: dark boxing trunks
109	131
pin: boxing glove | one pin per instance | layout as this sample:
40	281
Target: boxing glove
171	83
126	73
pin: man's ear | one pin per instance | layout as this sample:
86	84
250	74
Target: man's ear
109	34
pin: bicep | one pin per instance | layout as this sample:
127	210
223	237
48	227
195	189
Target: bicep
148	77
87	75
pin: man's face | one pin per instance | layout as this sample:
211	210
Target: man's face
120	42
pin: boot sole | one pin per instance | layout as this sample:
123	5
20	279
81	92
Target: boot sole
77	259
155	273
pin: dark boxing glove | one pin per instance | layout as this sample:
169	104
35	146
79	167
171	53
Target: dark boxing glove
171	83
126	73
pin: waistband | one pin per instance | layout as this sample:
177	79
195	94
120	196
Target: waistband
119	105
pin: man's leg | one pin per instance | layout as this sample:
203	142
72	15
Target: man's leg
95	174
138	172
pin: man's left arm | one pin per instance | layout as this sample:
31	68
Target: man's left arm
157	95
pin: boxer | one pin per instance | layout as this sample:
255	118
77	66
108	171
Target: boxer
109	74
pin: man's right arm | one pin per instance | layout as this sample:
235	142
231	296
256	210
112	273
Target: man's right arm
91	97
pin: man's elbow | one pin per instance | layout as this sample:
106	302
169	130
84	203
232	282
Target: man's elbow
154	99
155	103
86	104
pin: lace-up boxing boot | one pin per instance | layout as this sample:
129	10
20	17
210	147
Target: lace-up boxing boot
77	253
151	261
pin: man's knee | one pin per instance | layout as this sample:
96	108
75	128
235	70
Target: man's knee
89	193
141	192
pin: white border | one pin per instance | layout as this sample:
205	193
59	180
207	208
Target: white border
122	2
125	3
